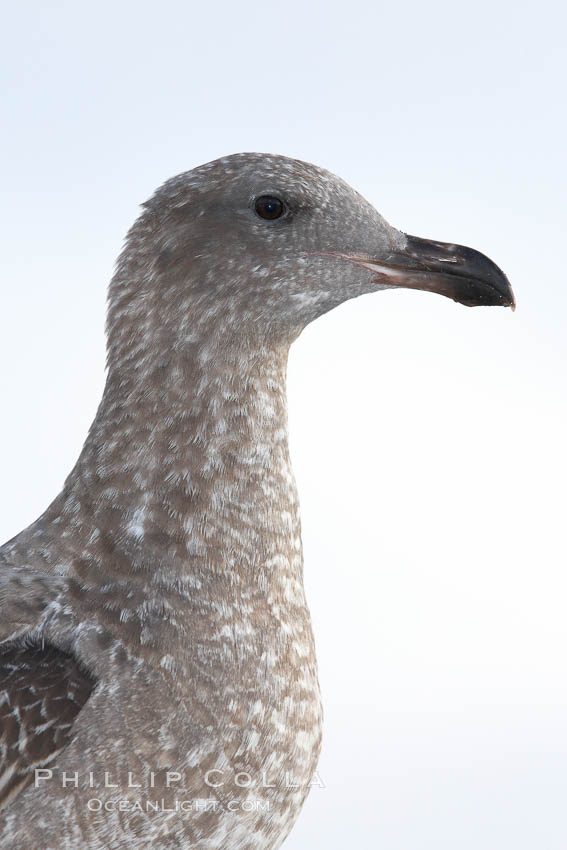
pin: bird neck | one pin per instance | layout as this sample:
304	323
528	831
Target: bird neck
186	466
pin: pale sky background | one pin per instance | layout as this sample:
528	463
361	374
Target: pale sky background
428	438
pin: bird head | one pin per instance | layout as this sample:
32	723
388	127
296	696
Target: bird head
260	245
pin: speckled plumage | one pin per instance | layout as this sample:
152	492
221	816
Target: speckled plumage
162	591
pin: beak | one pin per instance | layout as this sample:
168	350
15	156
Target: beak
460	273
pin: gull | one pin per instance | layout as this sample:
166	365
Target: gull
158	679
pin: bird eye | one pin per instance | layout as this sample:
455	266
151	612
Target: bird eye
267	206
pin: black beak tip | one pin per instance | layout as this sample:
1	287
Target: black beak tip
473	292
461	273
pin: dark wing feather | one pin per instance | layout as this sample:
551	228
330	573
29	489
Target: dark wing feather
42	690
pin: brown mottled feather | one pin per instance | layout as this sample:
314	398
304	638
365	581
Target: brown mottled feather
42	690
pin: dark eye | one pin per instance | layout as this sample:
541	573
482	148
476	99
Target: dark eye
267	206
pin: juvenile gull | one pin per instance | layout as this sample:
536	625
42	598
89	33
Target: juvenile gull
155	643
